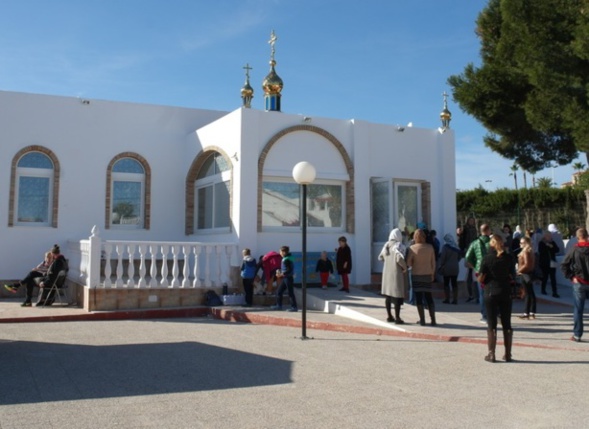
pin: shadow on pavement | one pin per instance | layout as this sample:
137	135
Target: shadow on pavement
34	372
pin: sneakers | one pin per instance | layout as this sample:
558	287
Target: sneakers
575	339
276	307
26	304
483	321
555	295
293	309
524	316
470	298
344	290
11	288
323	287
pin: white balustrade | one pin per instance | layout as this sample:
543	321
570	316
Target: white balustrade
149	264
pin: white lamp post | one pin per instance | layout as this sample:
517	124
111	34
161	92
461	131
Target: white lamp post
304	174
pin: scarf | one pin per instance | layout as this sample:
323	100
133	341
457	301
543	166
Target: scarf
396	243
450	243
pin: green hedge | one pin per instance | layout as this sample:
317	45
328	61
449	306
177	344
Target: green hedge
530	208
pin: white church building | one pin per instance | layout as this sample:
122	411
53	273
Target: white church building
170	196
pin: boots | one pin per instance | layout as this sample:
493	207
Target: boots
432	313
507	340
387	304
398	320
455	295
491	343
421	315
446	295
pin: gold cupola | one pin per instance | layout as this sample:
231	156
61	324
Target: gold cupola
247	92
272	84
445	115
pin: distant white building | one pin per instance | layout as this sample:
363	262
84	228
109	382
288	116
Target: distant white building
144	173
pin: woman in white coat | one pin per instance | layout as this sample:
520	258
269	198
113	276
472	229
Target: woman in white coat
394	275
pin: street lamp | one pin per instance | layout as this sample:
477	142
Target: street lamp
304	174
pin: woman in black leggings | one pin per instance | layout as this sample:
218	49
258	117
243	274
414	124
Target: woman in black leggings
498	271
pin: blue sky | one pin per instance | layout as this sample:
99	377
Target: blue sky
383	61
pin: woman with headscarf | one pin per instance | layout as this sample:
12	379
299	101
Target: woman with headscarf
515	243
394	275
449	258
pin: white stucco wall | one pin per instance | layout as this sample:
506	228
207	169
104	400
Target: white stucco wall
86	137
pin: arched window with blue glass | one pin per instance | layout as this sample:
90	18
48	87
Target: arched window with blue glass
33	190
127	193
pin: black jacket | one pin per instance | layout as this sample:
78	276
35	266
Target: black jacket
576	263
499	273
58	264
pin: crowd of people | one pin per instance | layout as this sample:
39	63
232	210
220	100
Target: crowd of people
497	266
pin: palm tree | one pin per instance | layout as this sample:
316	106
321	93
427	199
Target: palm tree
514	168
578	166
544	182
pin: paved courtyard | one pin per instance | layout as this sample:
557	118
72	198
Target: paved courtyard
209	373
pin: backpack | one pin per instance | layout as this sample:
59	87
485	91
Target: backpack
212	299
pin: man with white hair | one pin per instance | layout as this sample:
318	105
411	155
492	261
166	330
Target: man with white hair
557	238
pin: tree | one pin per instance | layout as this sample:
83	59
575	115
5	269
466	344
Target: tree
578	166
544	182
514	169
531	90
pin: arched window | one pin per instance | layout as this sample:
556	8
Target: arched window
33	190
212	191
127	186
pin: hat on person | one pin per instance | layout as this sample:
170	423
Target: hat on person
55	249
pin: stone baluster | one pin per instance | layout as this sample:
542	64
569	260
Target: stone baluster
107	267
119	251
186	269
164	272
153	268
175	268
142	252
197	249
131	267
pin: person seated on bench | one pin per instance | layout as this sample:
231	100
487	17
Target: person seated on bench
59	263
38	272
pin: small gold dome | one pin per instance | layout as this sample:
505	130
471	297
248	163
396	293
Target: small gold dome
247	90
272	83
